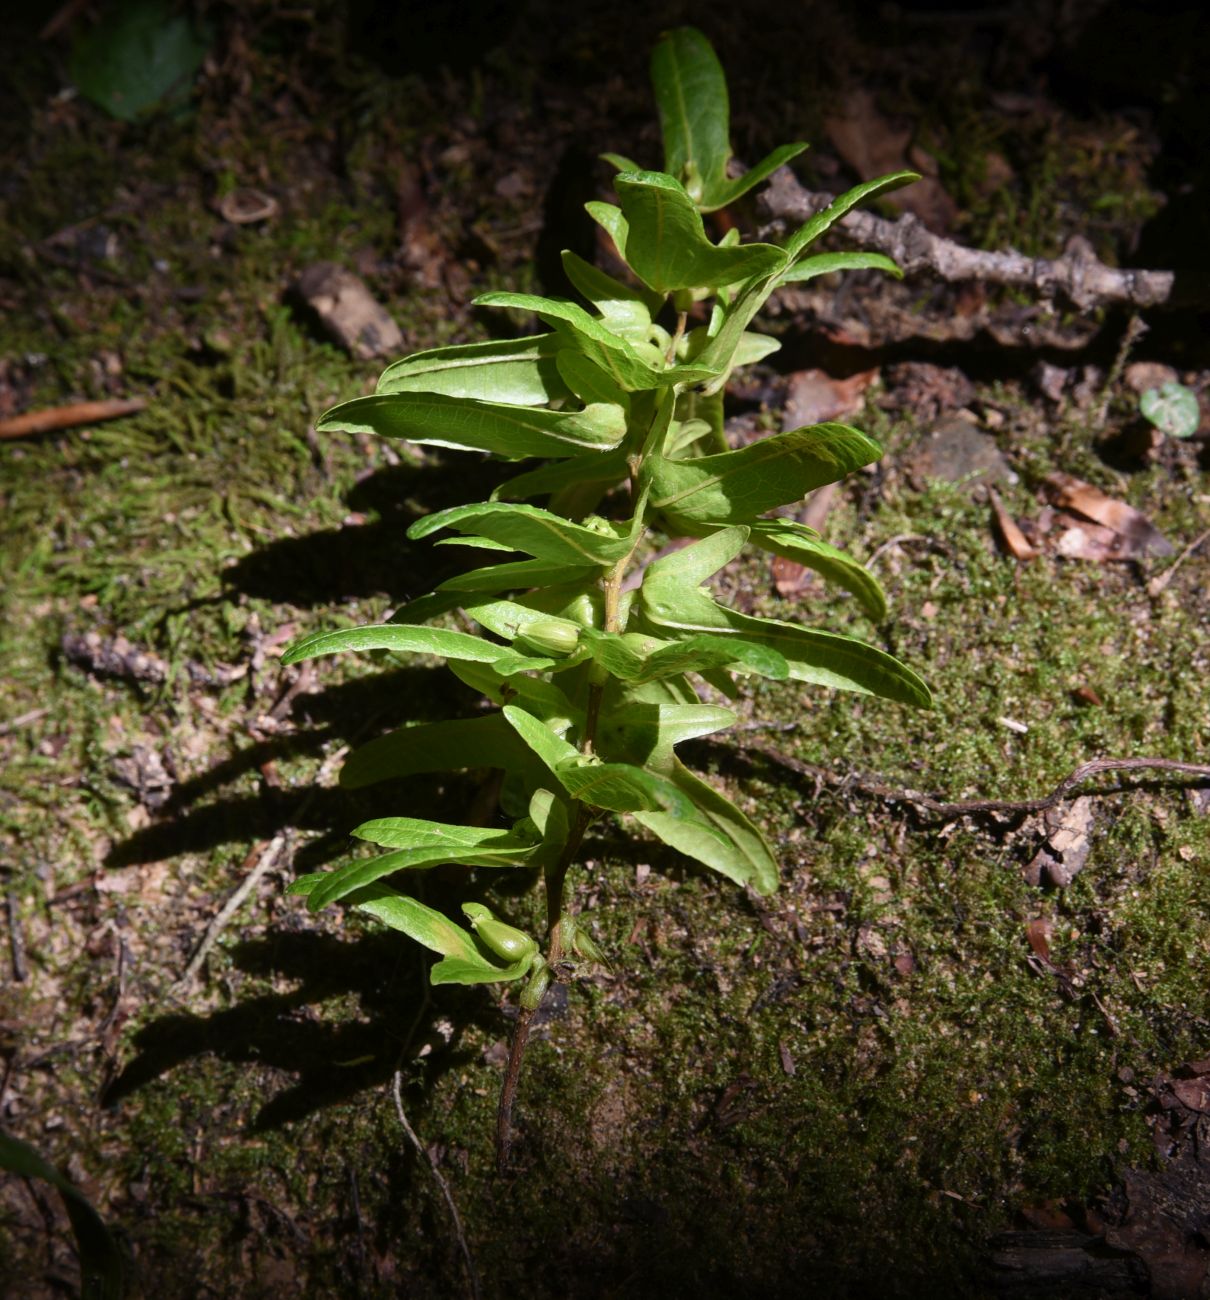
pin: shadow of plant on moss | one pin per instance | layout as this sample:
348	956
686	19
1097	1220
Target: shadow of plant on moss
332	1061
372	558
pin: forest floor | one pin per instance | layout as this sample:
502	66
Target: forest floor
959	1053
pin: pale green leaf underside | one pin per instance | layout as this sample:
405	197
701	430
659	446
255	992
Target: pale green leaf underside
540	533
407	639
519	372
514	432
736	486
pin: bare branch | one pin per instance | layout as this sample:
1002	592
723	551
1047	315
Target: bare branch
1079	275
966	807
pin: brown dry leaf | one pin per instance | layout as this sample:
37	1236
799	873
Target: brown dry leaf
814	396
789	577
244	206
1139	536
1039	932
1143	375
872	146
1193	1093
1013	538
1067	827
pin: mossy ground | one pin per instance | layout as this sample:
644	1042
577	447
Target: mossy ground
847	1087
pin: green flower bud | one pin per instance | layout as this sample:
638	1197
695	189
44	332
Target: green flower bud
555	636
504	940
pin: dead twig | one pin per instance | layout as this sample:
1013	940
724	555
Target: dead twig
261	860
472	1275
1158	585
1078	274
968	807
68	417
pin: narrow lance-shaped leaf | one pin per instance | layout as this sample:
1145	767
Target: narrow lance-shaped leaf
625	311
691	95
630	365
616	787
671	599
346	879
519	372
464	959
603	470
735	486
823	221
715	833
417	833
518	576
406	639
828	263
540	533
101	1262
515	432
794	541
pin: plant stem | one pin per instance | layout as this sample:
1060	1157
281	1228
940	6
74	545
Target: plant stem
508	1091
556	876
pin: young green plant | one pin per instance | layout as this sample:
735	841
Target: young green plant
593	643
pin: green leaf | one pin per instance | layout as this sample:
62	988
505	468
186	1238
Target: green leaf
807	233
827	263
601	468
406	639
625	311
519	576
519	372
637	658
505	850
670	598
101	1262
464	960
619	162
141	55
719	196
515	432
794	541
416	833
631	366
667	246
716	833
736	486
754	347
536	695
539	533
435	747
609	217
616	787
589	382
691	95
695	112
645	733
1172	408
